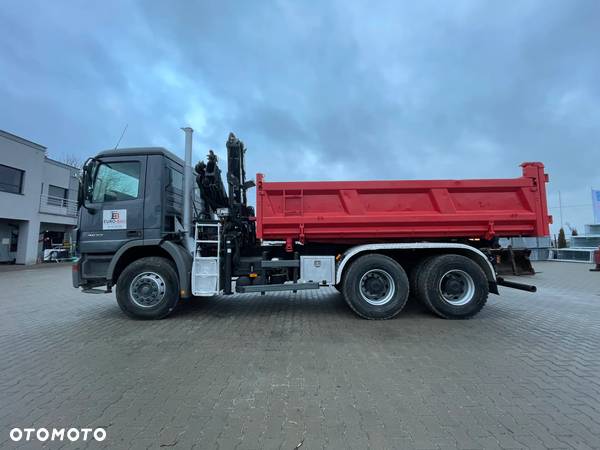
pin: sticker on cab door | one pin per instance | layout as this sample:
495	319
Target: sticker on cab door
114	219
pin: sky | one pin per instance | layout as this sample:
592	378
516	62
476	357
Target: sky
318	90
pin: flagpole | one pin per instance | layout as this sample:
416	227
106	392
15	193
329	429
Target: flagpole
560	209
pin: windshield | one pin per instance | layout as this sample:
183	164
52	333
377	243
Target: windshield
116	181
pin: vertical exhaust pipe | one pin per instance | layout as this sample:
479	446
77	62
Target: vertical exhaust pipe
188	179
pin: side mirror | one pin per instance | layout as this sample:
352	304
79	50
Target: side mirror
86	184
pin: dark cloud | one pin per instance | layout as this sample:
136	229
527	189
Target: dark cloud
318	90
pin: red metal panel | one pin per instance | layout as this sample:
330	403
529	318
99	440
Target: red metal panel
352	211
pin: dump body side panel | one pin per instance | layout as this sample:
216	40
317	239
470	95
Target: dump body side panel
374	211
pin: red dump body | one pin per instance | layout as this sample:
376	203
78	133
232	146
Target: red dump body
375	211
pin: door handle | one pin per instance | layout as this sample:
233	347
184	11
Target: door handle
133	233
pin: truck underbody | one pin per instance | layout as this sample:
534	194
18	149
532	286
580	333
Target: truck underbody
374	241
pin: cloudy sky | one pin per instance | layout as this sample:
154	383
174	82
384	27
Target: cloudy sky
318	90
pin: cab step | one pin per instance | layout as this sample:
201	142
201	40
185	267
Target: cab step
96	291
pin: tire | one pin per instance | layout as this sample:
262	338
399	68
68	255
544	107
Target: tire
375	287
148	288
452	286
414	274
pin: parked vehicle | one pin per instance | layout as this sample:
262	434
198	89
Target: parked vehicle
55	254
147	232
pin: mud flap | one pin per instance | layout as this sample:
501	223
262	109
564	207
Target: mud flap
511	261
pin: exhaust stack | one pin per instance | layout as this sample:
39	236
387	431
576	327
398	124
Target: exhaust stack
188	179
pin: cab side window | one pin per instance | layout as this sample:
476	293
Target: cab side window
116	182
175	179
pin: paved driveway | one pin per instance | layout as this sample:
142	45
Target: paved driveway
285	370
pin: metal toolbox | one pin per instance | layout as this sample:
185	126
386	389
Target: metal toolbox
320	269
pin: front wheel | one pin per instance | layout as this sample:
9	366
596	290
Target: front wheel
148	288
376	287
452	286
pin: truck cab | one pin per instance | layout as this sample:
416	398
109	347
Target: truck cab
131	207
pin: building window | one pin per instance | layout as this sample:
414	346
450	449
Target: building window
57	196
11	179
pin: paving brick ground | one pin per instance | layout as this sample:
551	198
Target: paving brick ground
283	370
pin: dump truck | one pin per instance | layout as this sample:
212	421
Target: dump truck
158	231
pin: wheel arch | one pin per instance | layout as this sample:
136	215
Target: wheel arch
418	250
134	250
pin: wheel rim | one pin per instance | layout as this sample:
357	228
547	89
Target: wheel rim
377	287
147	289
457	287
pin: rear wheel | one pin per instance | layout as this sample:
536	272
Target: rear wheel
414	274
148	288
375	287
452	286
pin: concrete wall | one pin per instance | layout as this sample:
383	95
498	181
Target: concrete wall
20	154
24	209
7	228
61	175
22	206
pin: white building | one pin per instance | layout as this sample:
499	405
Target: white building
38	201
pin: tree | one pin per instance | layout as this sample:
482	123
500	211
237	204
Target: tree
562	240
573	230
72	159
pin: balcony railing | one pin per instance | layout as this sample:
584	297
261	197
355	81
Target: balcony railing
58	205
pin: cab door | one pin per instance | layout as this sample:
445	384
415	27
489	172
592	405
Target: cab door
115	211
